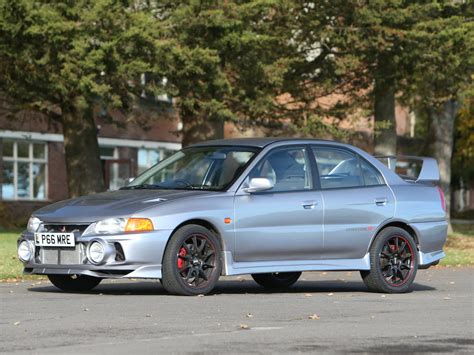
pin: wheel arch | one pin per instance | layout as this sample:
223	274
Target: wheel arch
203	223
400	224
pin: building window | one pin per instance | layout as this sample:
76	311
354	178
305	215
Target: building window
108	153
24	170
149	157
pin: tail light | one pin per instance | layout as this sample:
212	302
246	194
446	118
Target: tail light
443	200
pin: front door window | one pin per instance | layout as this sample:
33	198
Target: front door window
288	169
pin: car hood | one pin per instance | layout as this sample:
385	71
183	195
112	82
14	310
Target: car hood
121	203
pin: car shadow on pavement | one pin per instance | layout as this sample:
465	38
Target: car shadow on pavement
152	288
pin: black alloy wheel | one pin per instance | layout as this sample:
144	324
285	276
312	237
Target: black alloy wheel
396	260
276	280
393	262
192	261
74	282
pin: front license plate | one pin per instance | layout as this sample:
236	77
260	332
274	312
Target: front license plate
55	240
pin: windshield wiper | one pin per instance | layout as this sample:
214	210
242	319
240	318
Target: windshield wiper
144	187
201	187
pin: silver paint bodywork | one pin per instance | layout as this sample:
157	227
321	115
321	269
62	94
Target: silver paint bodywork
270	232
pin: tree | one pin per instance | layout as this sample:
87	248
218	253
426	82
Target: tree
226	62
66	58
463	154
442	72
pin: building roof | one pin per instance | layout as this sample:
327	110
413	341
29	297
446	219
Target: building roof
253	142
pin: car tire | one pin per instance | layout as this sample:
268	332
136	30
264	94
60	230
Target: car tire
393	262
190	267
277	280
74	282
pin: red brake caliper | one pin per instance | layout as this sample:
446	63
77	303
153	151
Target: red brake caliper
182	253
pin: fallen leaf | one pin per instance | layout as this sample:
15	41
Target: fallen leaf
383	296
244	326
86	309
17	323
447	298
331	294
249	315
314	317
452	282
148	315
308	295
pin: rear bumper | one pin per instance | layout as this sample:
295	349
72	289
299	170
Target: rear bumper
431	239
428	259
142	256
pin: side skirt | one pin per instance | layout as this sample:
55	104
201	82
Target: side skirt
232	267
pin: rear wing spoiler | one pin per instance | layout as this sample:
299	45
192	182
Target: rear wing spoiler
412	168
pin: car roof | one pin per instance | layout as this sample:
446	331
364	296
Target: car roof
253	142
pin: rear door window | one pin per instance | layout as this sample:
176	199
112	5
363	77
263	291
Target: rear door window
340	169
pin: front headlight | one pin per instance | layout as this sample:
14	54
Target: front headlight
119	225
107	226
33	224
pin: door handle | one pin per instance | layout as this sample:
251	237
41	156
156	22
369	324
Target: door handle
381	201
309	205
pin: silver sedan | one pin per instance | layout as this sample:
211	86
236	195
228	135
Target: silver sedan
272	208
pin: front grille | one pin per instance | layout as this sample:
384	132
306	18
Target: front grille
62	256
64	228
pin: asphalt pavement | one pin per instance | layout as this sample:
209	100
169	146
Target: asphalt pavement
323	312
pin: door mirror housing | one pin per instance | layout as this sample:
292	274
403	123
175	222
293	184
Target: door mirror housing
258	185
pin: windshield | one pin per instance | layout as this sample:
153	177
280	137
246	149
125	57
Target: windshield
203	168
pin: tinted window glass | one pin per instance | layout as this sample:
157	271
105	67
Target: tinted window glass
340	169
287	169
205	168
371	176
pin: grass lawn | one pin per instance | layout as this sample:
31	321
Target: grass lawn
459	250
10	267
459	247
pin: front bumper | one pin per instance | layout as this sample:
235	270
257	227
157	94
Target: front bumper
132	255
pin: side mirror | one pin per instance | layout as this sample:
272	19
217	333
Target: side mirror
258	184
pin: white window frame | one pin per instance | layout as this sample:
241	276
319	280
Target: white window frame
30	160
106	157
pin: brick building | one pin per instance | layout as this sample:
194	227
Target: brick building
32	165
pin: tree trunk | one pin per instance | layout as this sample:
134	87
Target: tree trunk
198	129
385	140
440	143
84	168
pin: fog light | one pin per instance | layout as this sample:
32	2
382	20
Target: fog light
25	251
96	252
